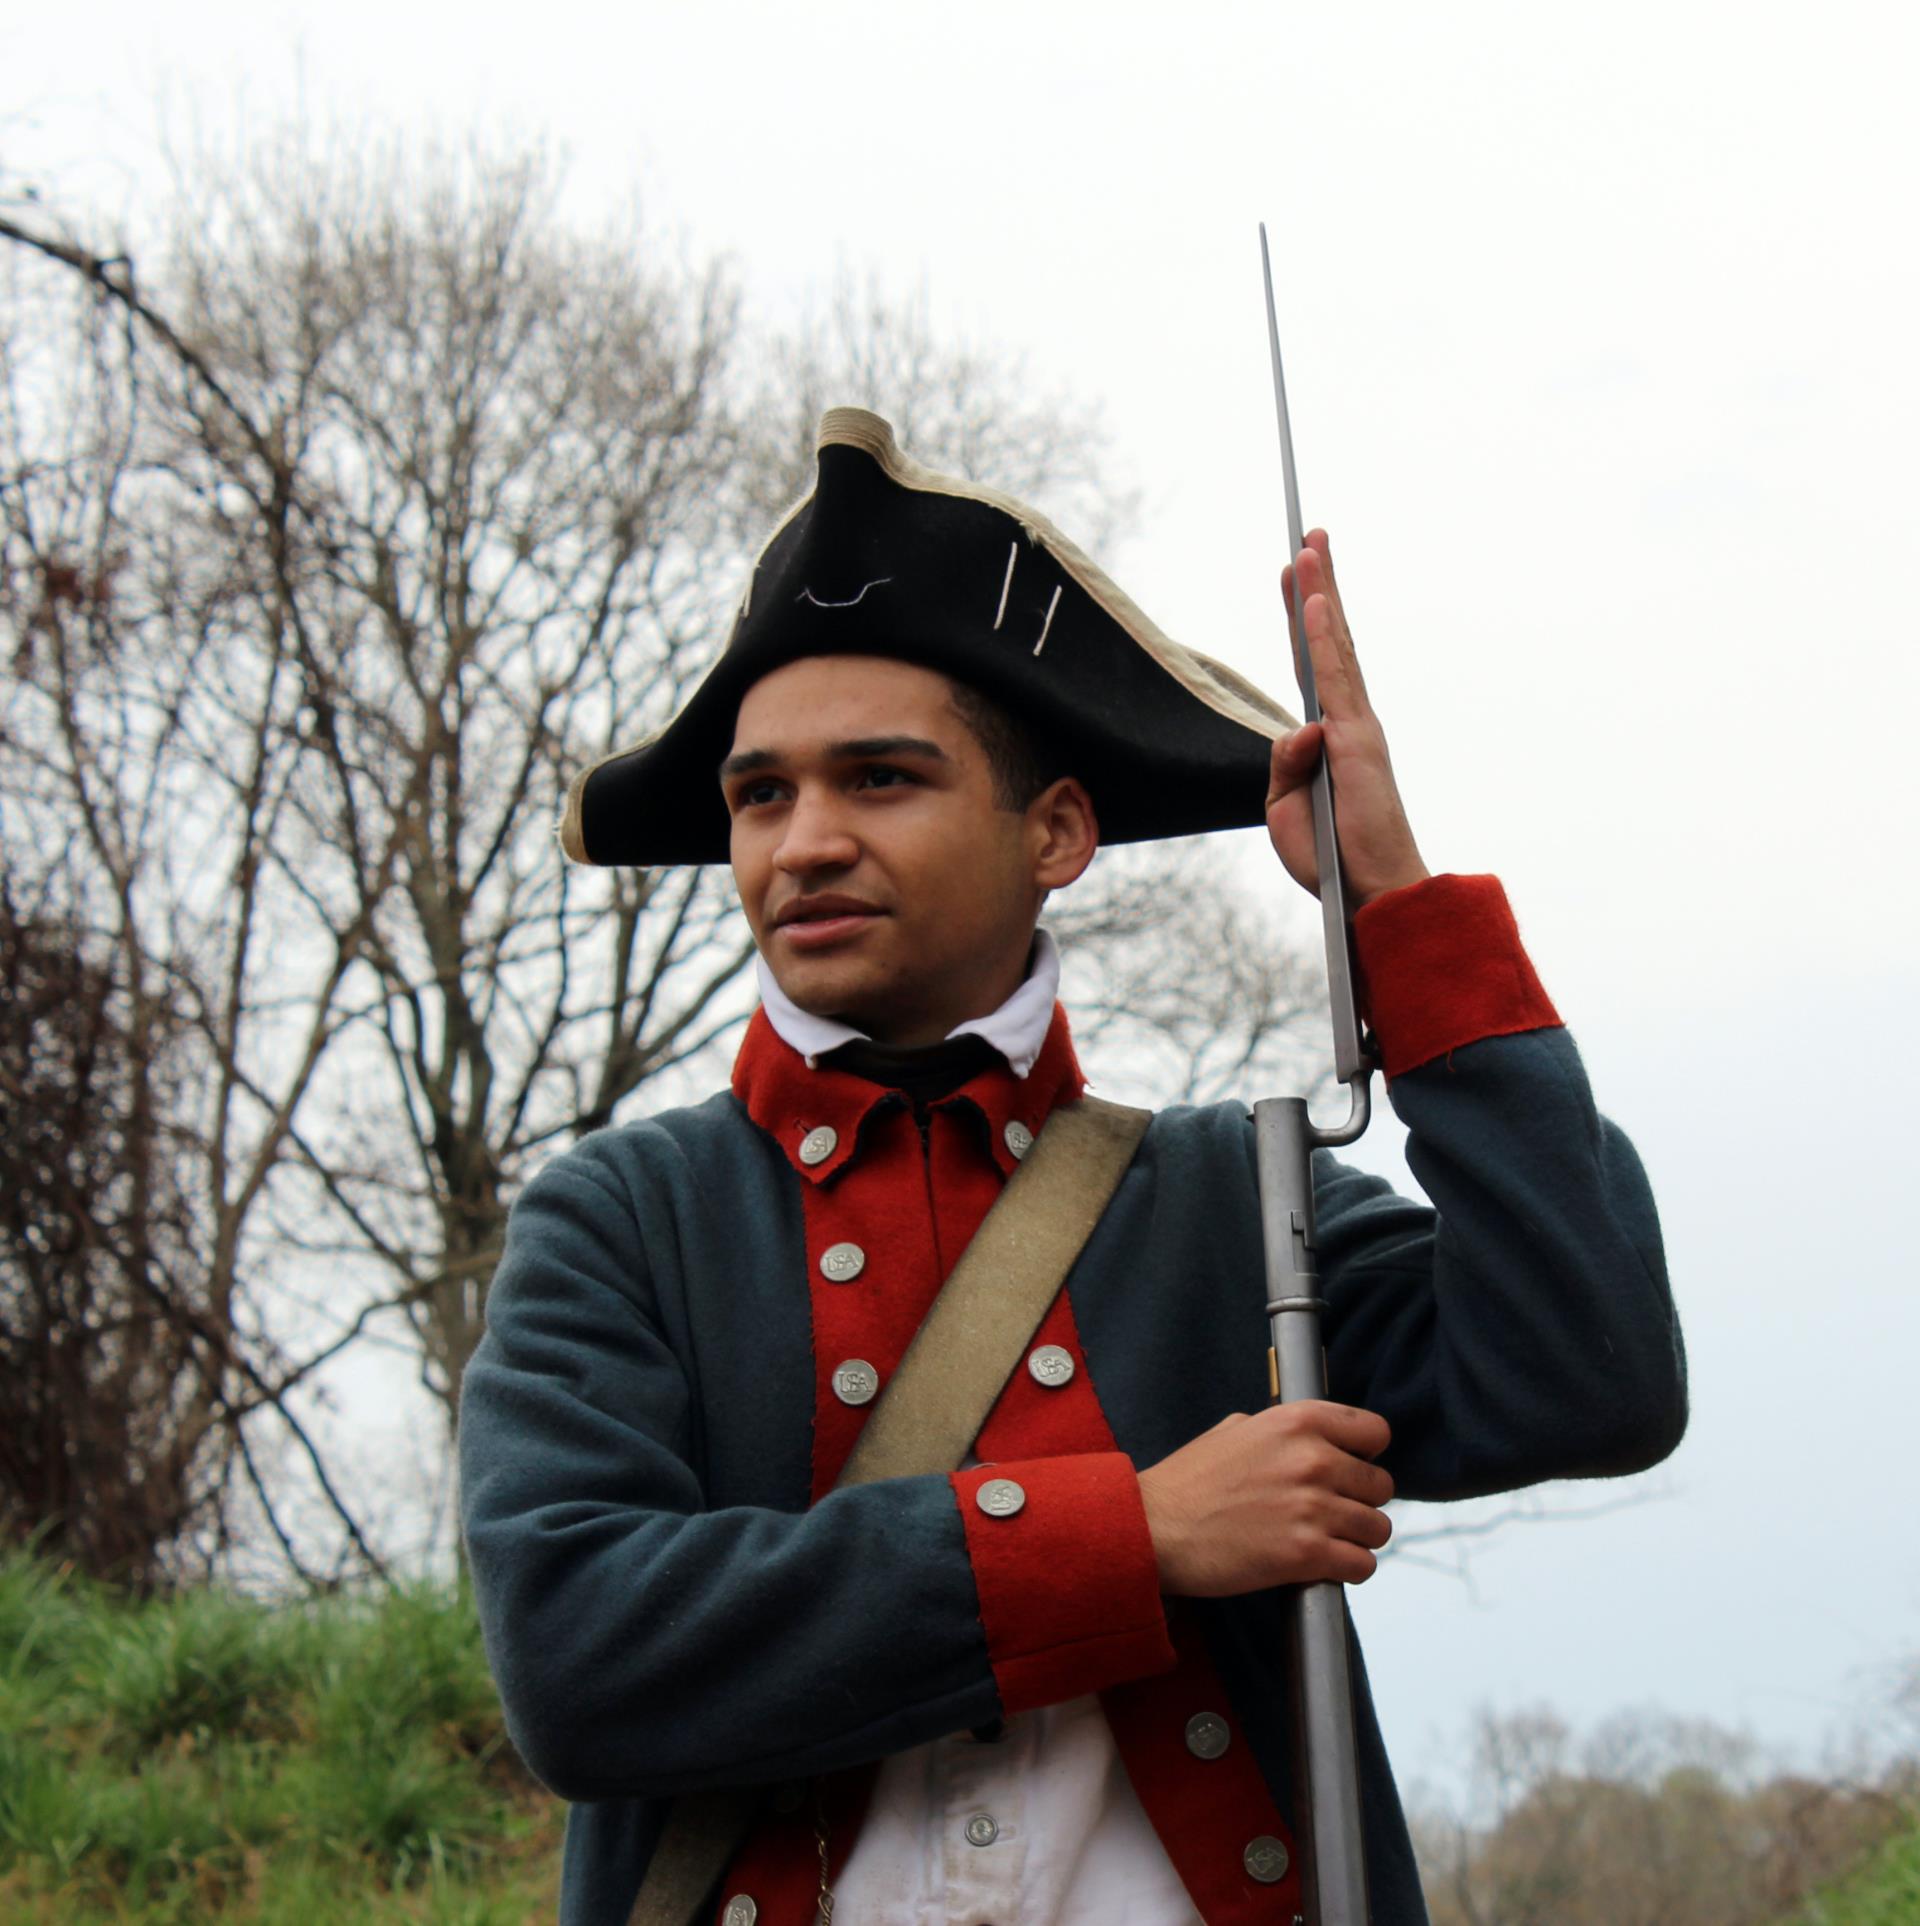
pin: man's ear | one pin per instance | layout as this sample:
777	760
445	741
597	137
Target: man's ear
1063	833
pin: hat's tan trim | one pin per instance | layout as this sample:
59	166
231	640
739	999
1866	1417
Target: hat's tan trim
1222	689
571	828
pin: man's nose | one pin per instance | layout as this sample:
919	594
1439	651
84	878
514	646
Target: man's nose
816	836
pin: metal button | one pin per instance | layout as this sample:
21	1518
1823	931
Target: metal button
1000	1498
855	1382
1051	1365
842	1263
982	1829
1267	1859
1018	1137
741	1911
1208	1735
818	1145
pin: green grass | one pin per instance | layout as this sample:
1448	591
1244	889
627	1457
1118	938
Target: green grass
1884	1892
209	1758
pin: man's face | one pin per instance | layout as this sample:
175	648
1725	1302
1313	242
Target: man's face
882	883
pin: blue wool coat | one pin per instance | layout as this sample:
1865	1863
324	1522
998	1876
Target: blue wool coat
666	1608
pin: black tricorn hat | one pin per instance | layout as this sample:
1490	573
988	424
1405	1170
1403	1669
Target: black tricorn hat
887	558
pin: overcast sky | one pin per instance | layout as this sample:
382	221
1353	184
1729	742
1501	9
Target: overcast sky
1601	331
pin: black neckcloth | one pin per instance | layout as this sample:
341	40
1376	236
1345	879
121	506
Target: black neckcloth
921	1076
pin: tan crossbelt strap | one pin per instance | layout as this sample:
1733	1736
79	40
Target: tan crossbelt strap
932	1409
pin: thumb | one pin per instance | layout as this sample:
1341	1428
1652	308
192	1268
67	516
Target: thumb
1295	757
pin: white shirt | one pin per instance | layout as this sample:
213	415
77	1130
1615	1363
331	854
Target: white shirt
1017	1029
1068	1843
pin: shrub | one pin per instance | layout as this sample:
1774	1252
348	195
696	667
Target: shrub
201	1757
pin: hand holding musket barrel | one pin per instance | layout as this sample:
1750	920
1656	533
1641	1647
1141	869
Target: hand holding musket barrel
1292	1496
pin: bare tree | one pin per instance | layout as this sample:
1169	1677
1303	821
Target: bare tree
333	541
973	412
414	512
1651	1820
113	1376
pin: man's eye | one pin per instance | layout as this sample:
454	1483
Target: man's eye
882	777
751	794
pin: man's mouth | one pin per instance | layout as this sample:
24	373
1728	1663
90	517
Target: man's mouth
817	922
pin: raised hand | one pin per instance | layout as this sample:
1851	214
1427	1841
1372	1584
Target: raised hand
1377	849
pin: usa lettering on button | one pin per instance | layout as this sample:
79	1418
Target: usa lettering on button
842	1263
855	1382
1267	1859
1051	1365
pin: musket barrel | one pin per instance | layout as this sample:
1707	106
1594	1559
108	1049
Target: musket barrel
1326	1767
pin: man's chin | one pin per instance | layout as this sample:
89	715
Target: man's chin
829	987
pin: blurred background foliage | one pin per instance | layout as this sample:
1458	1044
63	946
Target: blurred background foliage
202	1756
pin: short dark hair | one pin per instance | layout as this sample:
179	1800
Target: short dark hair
1022	759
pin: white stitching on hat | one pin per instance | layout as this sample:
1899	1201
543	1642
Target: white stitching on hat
1048	623
1013	555
807	595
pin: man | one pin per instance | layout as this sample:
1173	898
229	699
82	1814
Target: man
1047	1687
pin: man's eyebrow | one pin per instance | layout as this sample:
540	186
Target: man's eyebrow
859	749
863	748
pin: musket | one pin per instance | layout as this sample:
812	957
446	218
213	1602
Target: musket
1327	1821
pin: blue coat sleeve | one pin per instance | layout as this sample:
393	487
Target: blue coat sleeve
1522	1328
643	1643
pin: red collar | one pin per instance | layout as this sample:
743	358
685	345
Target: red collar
793	1104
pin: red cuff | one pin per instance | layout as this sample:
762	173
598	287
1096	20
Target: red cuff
1441	965
1069	1591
